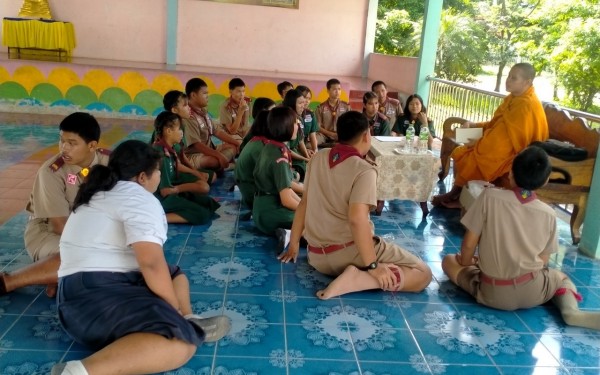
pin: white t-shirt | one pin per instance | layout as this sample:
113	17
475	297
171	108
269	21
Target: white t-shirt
98	236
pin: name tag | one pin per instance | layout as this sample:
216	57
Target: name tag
390	111
308	118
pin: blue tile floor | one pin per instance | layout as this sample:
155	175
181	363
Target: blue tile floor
279	327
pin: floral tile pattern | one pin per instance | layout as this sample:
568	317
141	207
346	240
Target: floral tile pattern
280	327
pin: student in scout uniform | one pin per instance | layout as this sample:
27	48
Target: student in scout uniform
515	234
300	155
177	102
260	104
333	217
283	88
329	111
234	113
117	294
50	204
415	113
182	194
199	130
244	166
389	107
309	120
275	201
378	124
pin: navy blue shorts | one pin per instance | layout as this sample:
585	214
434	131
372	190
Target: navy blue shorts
98	308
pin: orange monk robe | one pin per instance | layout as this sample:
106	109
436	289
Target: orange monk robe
518	121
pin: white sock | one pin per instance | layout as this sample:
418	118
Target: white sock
288	235
74	368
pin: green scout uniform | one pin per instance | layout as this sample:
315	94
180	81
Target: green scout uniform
378	125
54	190
309	124
193	207
244	169
404	122
272	174
294	145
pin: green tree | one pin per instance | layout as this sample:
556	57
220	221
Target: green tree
462	48
395	34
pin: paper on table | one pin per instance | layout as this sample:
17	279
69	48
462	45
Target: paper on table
463	135
383	138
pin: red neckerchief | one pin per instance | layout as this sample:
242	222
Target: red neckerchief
333	110
283	148
168	150
341	152
259	138
202	112
524	195
372	121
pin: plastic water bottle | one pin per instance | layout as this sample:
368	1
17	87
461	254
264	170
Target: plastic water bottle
410	138
423	139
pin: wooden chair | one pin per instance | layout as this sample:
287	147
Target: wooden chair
570	181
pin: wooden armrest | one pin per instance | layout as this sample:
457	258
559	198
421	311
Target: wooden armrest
450	125
579	172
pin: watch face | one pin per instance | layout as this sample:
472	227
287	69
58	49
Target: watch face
373	265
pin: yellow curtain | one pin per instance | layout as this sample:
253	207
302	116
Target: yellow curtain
52	35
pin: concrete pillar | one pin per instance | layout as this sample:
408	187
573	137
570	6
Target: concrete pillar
172	11
590	236
369	35
429	40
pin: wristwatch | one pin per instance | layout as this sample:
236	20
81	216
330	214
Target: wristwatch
371	266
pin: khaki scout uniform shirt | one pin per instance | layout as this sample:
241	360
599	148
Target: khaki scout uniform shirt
228	114
54	189
330	193
327	115
391	109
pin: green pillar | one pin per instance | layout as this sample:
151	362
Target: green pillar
590	236
172	10
429	40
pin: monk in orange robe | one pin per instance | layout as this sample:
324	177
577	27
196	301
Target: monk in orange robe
518	121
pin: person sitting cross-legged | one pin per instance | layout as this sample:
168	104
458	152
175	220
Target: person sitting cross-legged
333	217
516	234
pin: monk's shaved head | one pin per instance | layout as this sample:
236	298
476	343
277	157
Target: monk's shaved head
527	70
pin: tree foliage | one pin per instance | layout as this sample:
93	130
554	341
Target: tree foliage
561	37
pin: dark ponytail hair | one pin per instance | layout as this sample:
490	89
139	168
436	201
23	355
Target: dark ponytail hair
125	163
165	119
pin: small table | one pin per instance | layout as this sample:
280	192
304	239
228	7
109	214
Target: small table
403	176
33	34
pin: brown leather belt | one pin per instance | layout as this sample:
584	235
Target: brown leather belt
330	248
504	282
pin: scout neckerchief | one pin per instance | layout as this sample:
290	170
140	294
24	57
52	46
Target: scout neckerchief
259	138
524	195
168	150
341	152
372	122
333	110
285	155
202	112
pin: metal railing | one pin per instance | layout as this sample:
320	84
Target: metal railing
448	99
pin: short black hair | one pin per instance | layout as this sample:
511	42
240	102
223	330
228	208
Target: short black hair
165	119
193	85
283	85
377	83
171	99
333	81
290	98
303	89
368	96
261	104
350	126
83	124
259	126
531	168
236	82
280	124
410	98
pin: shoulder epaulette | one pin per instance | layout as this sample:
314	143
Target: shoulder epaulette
57	164
104	151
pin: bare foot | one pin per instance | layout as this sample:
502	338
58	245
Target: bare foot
452	204
351	280
51	290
